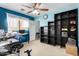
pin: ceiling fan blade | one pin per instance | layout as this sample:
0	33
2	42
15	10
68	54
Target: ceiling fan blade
38	5
35	5
43	9
27	6
30	11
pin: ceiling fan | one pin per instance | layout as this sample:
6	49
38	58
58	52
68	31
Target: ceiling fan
35	8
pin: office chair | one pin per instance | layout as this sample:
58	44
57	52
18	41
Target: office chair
15	48
28	52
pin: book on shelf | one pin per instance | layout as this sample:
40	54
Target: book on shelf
72	22
58	17
64	34
64	29
72	29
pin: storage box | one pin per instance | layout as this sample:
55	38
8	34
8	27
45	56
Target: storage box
71	49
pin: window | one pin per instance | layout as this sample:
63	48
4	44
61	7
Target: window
16	23
23	24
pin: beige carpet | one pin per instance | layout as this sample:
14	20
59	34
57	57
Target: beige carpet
42	49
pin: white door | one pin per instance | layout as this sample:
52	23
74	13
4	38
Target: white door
34	27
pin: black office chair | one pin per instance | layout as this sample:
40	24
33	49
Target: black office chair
28	52
15	48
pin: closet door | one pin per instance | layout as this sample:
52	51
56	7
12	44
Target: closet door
32	30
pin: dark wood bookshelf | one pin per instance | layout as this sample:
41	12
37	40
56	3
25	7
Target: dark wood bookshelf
67	27
44	34
51	33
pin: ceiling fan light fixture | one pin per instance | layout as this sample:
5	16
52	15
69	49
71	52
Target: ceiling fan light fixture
35	12
22	9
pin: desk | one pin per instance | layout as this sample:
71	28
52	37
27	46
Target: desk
6	37
24	34
24	37
2	50
3	43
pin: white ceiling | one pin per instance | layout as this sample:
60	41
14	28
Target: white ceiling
17	6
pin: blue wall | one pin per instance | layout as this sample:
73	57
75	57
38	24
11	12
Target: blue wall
16	13
44	22
3	21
